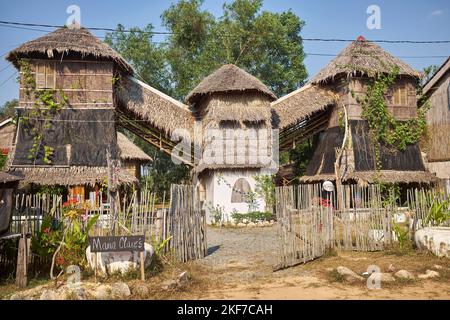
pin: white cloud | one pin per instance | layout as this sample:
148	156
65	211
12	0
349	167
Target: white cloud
437	12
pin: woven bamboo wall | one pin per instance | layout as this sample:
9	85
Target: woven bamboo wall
438	119
7	134
87	84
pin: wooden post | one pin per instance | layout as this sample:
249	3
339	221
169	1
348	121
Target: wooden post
141	254
22	259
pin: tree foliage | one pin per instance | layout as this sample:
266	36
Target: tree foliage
265	44
8	109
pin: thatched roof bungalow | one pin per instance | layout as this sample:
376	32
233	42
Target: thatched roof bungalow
314	109
234	109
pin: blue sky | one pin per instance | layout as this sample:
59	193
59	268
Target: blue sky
400	20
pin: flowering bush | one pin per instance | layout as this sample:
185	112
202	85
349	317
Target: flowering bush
71	233
3	157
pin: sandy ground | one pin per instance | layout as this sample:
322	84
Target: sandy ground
240	262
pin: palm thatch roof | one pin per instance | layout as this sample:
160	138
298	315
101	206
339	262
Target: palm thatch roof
130	151
70	176
384	176
431	84
363	57
66	41
302	103
7	177
153	106
228	78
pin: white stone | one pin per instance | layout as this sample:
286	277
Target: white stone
404	274
429	274
348	274
251	224
437	267
49	295
435	239
391	268
384	277
111	262
141	290
240	225
120	290
102	292
266	223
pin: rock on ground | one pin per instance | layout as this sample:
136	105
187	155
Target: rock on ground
384	277
429	274
141	290
102	292
434	239
49	295
348	274
404	274
120	290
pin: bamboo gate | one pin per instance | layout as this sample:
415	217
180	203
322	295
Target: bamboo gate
309	224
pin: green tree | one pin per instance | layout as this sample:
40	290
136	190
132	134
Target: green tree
147	57
8	109
428	72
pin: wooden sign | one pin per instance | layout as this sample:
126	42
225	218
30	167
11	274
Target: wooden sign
117	243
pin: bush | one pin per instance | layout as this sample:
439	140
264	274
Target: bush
256	216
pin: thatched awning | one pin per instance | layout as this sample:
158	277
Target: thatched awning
302	103
154	107
69	176
129	151
69	40
384	176
228	78
7	177
363	57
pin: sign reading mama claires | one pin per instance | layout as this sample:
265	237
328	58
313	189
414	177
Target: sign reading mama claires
117	243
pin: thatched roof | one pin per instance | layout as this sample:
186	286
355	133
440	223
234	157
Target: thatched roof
7	177
69	40
302	103
70	176
228	78
130	151
384	176
149	104
363	57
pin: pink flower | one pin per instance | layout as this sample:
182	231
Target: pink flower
85	217
47	230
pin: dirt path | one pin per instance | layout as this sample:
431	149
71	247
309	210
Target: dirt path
240	262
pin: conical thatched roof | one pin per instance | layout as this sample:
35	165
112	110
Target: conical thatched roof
228	78
69	40
364	57
130	151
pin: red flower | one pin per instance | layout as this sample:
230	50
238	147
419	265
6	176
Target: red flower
47	230
60	260
5	151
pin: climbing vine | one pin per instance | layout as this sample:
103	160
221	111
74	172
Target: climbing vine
384	128
47	104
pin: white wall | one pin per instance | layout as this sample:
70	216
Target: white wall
219	193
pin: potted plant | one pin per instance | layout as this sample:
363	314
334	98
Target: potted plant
435	235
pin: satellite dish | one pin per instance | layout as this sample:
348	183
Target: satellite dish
328	186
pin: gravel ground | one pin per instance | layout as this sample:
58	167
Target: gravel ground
241	253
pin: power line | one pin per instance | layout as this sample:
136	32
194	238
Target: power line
401	57
12	23
3	83
89	28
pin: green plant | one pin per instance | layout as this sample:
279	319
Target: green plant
384	128
265	188
47	103
402	235
256	216
216	214
159	246
439	213
3	158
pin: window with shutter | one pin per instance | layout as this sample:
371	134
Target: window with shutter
240	189
400	96
45	75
